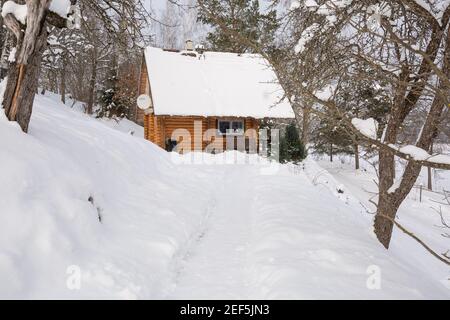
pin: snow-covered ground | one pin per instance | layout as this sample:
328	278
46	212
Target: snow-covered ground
419	213
78	195
123	125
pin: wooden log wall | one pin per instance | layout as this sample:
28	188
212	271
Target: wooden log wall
144	88
183	129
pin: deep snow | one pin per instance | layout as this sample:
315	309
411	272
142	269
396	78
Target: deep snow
171	230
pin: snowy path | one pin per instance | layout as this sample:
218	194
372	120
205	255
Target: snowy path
215	267
281	237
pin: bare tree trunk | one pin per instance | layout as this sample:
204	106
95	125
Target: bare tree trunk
331	152
63	78
22	87
383	227
357	164
305	125
390	200
93	80
386	210
430	172
430	179
23	76
54	81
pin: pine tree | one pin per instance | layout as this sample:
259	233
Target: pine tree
107	101
292	148
243	18
113	104
117	99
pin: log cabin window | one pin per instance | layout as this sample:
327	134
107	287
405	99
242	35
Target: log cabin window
231	127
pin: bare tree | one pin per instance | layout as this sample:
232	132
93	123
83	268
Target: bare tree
410	48
117	17
170	28
406	44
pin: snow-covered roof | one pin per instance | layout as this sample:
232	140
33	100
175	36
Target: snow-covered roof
221	84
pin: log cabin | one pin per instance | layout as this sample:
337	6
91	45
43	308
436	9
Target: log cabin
207	101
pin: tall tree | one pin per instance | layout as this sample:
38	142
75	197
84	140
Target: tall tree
238	17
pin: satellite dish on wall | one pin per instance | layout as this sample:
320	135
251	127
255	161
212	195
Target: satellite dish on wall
144	102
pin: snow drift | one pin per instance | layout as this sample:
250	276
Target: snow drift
57	183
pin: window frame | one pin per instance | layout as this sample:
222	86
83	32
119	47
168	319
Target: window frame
230	122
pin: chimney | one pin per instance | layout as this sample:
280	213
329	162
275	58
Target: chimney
189	45
200	48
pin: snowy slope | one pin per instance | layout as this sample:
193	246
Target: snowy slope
123	125
281	237
418	214
48	223
180	231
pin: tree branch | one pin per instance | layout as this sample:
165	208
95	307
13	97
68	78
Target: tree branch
444	258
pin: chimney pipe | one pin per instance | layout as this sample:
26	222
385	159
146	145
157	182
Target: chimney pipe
189	45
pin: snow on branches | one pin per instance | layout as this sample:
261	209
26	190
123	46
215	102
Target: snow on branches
328	10
19	11
307	35
61	7
368	127
67	13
